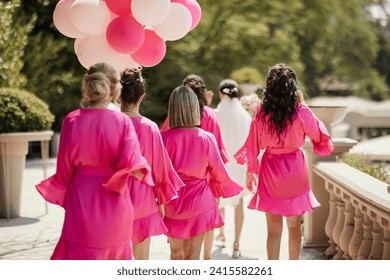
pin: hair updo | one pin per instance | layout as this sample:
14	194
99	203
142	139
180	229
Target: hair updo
197	84
133	85
100	83
229	87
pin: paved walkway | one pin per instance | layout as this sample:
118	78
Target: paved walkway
34	235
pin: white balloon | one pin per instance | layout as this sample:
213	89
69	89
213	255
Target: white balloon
62	21
176	25
90	16
122	61
94	49
76	44
150	12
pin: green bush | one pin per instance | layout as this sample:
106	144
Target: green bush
376	170
22	111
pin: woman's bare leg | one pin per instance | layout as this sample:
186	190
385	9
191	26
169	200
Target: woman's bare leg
141	250
193	246
208	244
177	248
294	236
238	223
274	229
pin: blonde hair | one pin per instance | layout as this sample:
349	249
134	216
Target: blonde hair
100	83
183	108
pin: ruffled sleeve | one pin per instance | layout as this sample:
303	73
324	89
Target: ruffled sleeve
166	179
250	151
317	132
54	189
221	184
131	160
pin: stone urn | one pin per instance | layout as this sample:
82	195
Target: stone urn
329	115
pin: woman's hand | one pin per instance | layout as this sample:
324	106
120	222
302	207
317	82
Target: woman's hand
161	209
251	182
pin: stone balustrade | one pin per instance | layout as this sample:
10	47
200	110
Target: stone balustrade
358	222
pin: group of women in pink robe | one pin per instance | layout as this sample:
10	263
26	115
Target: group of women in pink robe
109	163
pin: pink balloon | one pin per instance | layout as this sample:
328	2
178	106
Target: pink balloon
125	35
120	7
152	51
196	12
184	2
62	20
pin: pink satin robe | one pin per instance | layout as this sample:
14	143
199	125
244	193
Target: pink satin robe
147	218
98	151
283	185
195	157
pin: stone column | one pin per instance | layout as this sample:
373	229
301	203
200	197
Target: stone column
365	247
348	228
357	236
331	222
377	244
338	229
314	223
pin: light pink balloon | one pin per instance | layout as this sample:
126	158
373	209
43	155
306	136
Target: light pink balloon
62	20
94	49
122	61
120	7
76	44
176	25
150	12
196	12
90	16
184	2
125	35
152	51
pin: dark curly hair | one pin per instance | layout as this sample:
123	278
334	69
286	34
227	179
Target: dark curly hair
280	97
197	84
133	85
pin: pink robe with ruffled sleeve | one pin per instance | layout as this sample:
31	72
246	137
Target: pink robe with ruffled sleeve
283	186
98	151
147	219
210	124
195	157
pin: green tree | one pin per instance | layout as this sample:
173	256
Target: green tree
14	33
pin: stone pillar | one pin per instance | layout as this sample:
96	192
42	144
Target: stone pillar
357	236
377	244
365	247
313	228
331	222
386	244
338	229
348	228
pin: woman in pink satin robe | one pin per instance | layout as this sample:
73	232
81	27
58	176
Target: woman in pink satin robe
148	202
208	118
98	153
279	128
195	157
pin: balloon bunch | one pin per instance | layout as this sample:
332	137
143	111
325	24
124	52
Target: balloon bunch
125	33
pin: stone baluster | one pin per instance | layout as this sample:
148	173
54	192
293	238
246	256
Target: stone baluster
331	222
348	228
365	248
338	229
377	243
386	244
357	236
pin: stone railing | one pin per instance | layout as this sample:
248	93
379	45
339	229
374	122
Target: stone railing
358	222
